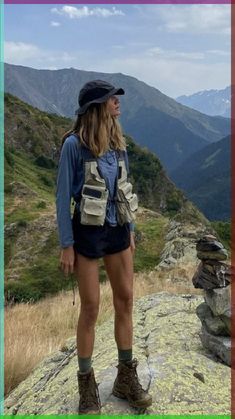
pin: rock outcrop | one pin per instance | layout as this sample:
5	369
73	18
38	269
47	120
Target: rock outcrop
214	276
180	244
181	375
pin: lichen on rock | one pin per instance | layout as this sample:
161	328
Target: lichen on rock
181	375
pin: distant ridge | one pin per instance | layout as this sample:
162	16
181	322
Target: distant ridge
211	102
165	127
206	179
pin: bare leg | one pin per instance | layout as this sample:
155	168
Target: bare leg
119	267
86	270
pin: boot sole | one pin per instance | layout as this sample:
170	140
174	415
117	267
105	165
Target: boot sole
143	404
90	413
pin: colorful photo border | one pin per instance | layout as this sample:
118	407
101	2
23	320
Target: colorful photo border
232	2
233	206
119	2
1	208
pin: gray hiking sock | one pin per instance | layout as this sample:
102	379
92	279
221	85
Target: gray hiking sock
124	355
84	364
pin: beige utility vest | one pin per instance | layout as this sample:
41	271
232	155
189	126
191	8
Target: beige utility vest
95	195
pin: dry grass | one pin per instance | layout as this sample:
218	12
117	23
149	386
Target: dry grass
178	280
33	331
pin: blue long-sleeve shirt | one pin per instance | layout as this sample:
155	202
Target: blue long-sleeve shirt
70	180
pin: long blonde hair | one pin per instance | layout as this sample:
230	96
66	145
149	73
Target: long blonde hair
98	130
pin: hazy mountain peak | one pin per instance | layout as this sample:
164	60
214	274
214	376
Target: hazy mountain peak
210	102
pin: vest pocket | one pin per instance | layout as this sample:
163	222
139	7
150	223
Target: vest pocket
127	203
93	205
133	203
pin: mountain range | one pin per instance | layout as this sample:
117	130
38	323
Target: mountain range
211	102
169	129
206	179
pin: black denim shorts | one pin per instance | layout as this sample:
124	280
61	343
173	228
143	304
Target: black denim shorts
98	241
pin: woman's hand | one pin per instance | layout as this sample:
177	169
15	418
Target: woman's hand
132	243
67	259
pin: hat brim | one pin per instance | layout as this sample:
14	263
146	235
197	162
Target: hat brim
116	91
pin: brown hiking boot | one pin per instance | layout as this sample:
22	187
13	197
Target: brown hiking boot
89	402
127	386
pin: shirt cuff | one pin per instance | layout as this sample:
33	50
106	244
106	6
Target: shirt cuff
65	245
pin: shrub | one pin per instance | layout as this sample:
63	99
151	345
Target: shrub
17	292
22	223
41	204
46	180
8	188
39	281
46	121
223	229
43	161
173	203
9	157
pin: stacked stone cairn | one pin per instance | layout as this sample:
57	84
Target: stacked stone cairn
214	276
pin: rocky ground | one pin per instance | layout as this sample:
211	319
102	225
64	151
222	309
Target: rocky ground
181	375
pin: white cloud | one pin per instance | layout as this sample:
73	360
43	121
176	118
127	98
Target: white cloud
196	18
54	24
79	13
173	54
15	50
219	52
31	55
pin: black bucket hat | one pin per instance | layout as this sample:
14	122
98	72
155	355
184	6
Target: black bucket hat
96	91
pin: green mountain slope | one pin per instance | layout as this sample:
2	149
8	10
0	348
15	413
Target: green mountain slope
206	179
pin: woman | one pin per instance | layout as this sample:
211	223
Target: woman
93	171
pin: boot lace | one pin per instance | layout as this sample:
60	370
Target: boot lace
136	387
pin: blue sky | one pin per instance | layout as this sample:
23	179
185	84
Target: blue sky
179	49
